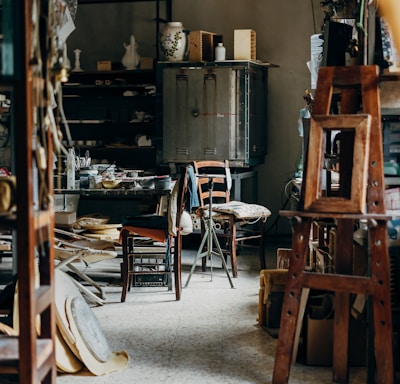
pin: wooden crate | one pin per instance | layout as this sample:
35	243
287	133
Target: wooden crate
202	45
244	44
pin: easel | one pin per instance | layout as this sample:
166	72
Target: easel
210	236
356	200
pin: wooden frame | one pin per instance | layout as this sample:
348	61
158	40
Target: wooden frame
314	198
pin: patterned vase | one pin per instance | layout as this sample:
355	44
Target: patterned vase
173	41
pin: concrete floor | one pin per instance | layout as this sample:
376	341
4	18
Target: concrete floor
209	336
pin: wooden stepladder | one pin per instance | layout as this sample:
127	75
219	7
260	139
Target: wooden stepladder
358	196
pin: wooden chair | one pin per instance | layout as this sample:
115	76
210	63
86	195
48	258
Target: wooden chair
233	228
151	246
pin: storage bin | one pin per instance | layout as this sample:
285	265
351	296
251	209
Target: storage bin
65	202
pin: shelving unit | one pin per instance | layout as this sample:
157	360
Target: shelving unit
31	355
158	19
100	108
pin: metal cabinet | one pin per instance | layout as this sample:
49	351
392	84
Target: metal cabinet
214	111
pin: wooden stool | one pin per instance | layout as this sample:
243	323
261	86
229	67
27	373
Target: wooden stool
360	196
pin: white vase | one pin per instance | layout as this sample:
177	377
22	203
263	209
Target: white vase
173	41
131	58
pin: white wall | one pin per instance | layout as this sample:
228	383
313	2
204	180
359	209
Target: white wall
283	37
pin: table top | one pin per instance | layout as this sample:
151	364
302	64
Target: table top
115	192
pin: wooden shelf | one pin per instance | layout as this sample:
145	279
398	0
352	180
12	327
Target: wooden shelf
336	215
9	352
29	355
115	1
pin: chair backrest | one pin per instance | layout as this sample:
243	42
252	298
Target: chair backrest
221	190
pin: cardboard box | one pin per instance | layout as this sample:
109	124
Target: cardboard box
318	341
271	293
64	218
392	198
283	257
244	44
146	63
104	65
202	45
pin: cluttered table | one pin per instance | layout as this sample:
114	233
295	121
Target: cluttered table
114	203
114	193
108	191
114	198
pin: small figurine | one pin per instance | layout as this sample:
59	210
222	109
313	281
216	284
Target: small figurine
77	67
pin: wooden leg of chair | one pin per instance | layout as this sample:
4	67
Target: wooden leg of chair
178	267
232	246
124	266
263	264
124	280
130	269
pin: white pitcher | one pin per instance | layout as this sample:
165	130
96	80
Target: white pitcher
131	59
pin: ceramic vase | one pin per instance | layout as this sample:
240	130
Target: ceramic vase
173	41
131	58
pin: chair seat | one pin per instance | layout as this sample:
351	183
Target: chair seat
240	210
146	221
154	233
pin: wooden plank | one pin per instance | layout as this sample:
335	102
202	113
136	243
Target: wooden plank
291	303
305	292
338	283
335	215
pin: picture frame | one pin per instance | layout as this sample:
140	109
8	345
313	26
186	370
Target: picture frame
354	200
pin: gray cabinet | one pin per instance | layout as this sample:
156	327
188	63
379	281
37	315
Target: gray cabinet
214	111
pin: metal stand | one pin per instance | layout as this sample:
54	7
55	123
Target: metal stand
210	236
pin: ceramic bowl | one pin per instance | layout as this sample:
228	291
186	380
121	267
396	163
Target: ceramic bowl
111	184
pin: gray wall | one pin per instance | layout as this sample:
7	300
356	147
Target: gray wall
283	37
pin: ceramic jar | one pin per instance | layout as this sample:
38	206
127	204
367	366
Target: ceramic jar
220	52
173	41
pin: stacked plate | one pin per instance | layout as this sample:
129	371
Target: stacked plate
108	232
